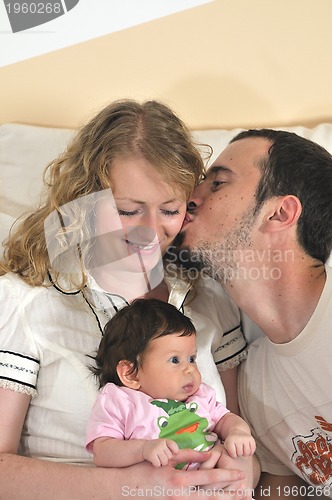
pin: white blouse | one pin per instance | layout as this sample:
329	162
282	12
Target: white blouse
47	336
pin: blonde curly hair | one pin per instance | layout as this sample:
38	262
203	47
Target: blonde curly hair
123	128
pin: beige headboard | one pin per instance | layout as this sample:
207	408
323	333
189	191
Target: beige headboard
224	64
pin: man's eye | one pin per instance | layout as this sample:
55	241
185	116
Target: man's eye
215	185
175	360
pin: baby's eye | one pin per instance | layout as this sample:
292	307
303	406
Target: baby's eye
192	359
175	360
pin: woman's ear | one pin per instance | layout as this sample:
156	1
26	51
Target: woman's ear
128	378
284	212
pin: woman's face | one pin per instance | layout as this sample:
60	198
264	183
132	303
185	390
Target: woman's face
143	218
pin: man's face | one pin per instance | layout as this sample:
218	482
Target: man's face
223	223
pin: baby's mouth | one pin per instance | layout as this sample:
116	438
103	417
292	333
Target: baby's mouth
188	387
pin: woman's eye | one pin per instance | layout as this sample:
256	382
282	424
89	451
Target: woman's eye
192	359
126	213
175	360
171	213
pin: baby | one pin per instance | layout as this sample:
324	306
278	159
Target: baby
152	401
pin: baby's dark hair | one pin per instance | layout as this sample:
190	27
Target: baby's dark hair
128	333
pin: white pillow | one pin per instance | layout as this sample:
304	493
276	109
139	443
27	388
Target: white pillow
6	221
24	153
217	139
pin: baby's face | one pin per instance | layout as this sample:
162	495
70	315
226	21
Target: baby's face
169	369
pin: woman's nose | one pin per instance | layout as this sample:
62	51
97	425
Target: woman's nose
150	219
152	222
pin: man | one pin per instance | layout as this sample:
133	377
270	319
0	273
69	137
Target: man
260	224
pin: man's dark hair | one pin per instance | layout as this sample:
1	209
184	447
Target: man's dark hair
128	333
300	167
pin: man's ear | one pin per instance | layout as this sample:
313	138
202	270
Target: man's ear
284	212
128	379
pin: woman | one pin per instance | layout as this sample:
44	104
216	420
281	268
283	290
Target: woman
116	199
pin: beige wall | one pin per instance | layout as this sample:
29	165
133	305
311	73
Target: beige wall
225	64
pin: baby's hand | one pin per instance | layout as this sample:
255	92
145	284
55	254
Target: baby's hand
240	444
159	451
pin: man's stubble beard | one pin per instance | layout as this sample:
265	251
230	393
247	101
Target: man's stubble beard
219	260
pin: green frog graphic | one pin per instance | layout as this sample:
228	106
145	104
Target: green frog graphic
183	425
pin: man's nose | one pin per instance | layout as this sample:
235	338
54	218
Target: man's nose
191	206
196	199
